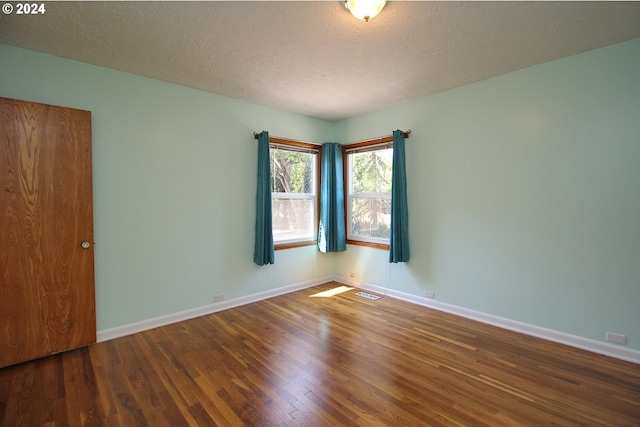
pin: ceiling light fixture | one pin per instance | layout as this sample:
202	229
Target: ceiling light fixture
364	9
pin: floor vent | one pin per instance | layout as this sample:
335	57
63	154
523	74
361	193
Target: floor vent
367	296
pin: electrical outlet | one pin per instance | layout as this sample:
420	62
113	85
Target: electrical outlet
218	298
617	338
430	294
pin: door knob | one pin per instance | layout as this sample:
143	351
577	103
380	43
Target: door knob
86	245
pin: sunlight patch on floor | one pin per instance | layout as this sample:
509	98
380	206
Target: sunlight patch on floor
332	292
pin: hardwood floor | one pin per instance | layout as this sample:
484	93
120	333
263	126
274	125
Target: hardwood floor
336	361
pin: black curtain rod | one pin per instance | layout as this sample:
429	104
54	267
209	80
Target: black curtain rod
378	140
406	134
278	139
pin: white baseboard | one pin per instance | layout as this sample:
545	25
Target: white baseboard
607	349
132	328
594	346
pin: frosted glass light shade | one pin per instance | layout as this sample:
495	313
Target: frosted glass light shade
364	9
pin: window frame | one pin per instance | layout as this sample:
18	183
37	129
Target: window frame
386	142
306	146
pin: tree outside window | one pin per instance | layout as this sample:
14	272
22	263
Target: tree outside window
369	196
294	194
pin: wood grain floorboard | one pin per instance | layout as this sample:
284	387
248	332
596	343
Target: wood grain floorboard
297	360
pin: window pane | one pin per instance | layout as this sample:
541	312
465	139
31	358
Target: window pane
371	217
371	171
293	219
292	172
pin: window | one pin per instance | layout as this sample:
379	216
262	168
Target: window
368	207
294	183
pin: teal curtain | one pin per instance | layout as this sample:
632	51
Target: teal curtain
399	241
263	252
331	234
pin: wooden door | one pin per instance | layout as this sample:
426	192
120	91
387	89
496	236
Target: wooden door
47	296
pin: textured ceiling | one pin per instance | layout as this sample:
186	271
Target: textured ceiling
314	58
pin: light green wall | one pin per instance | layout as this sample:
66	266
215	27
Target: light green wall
174	186
524	195
524	191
